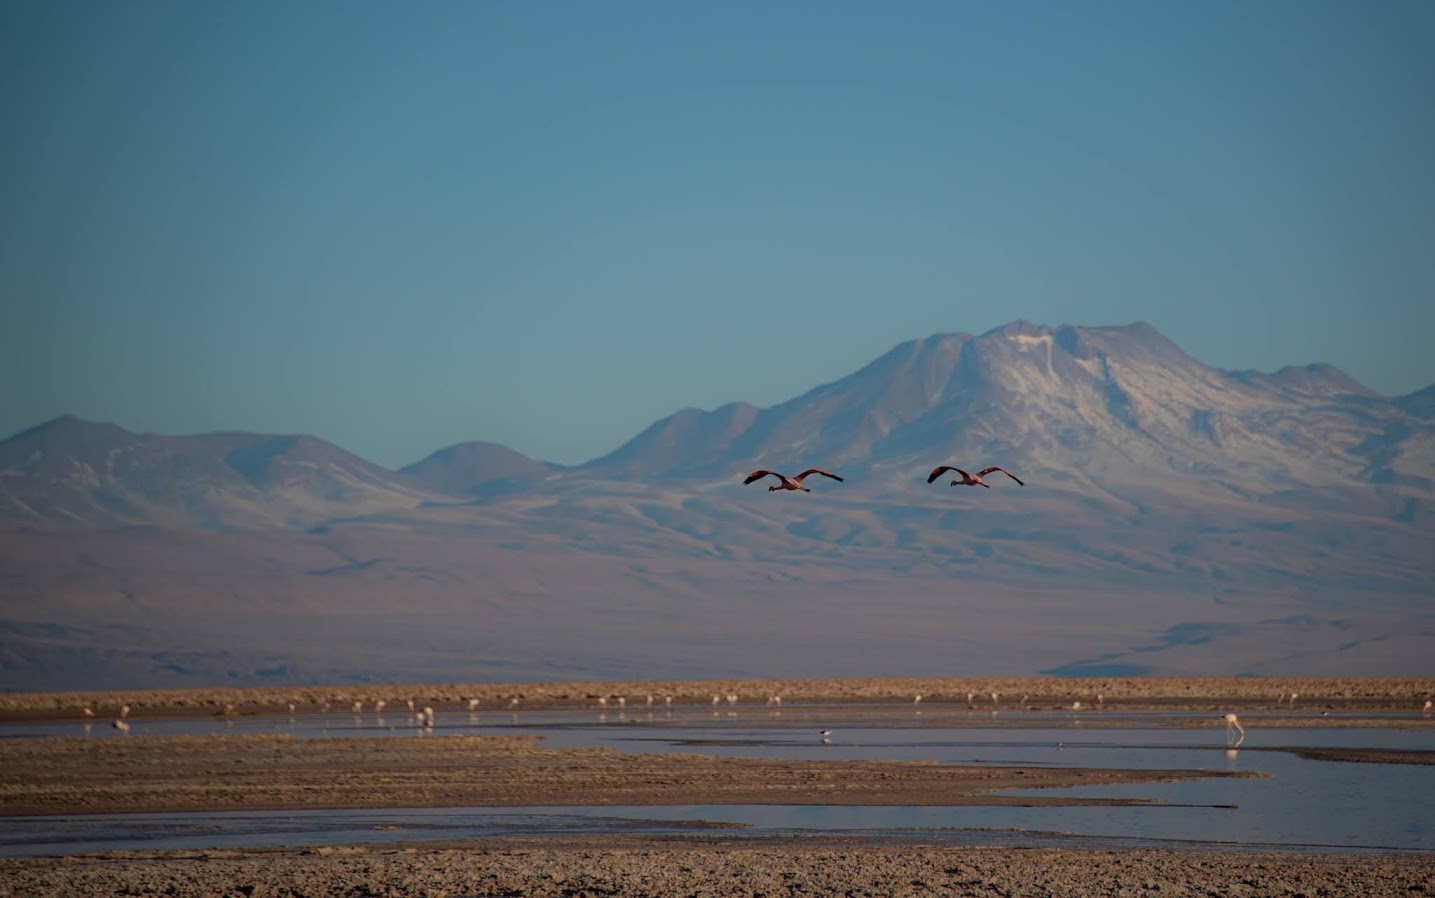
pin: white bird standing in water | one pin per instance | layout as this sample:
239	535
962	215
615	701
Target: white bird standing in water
1234	724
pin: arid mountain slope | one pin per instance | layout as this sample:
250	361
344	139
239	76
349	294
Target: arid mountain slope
1177	519
72	472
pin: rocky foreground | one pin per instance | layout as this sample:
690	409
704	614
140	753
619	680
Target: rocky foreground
715	868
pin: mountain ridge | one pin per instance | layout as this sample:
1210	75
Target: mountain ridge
1177	519
69	470
474	466
1083	405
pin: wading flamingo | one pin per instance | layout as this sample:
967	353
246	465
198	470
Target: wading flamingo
1234	724
789	483
970	479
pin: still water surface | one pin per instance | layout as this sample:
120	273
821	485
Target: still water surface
1299	804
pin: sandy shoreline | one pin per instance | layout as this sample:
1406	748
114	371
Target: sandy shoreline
1036	692
278	772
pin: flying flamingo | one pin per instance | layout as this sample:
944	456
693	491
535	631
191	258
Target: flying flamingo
789	483
971	479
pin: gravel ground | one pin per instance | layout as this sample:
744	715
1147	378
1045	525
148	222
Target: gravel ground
712	868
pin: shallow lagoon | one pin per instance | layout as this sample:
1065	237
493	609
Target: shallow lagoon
1299	804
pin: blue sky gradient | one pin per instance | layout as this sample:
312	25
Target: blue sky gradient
400	226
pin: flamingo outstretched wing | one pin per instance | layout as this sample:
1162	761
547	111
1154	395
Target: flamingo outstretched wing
799	477
941	469
1004	471
758	475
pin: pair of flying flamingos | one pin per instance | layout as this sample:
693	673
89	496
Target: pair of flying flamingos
795	483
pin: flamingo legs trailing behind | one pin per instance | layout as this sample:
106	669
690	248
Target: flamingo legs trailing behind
789	483
970	479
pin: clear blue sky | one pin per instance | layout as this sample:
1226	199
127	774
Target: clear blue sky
399	226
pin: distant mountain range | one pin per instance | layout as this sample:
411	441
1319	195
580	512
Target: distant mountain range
1090	404
1293	509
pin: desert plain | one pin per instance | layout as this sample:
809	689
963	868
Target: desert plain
225	772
